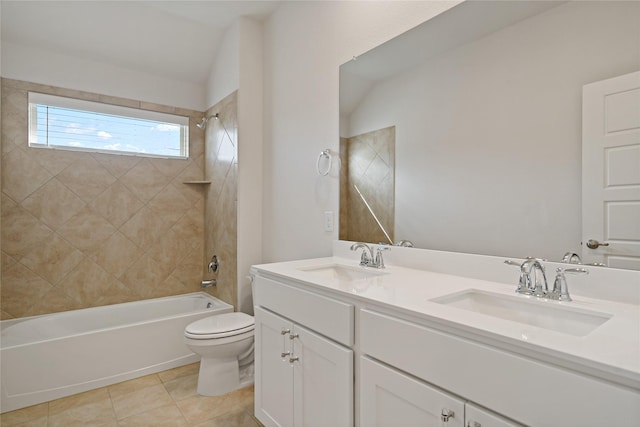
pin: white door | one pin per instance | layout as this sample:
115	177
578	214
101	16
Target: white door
323	381
273	373
391	398
611	172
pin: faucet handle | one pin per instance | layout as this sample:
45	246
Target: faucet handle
560	290
379	262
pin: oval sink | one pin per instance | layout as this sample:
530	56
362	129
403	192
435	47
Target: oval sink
528	311
342	272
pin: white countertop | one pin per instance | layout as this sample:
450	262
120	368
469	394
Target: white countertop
611	351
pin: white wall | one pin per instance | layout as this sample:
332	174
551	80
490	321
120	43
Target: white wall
225	72
488	135
305	43
238	66
250	142
41	66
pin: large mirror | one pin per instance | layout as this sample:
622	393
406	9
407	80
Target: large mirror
484	107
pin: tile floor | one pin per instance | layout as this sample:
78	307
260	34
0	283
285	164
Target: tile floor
167	398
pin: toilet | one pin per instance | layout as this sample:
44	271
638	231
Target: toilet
225	344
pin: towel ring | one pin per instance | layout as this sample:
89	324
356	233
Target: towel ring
324	154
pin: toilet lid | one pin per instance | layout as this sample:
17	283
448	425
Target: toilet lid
221	325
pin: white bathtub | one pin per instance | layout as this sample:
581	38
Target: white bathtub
55	355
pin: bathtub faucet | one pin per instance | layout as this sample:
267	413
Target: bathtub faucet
207	283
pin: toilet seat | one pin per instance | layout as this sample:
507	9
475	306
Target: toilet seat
220	326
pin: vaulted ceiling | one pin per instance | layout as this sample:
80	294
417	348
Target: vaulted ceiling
173	39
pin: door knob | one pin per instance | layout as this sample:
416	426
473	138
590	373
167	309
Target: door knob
594	244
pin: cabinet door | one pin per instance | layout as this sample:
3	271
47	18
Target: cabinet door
478	417
273	375
392	398
323	378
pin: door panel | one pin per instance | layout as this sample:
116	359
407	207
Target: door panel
392	398
323	378
611	171
273	376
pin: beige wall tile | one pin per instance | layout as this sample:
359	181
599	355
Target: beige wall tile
116	204
101	212
87	231
52	259
87	178
116	254
53	203
144	228
145	180
21	174
21	231
21	288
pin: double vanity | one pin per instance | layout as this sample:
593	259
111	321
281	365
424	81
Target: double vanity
338	344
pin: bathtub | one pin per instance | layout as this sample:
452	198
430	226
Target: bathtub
55	355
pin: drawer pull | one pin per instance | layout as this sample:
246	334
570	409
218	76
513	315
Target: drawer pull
446	414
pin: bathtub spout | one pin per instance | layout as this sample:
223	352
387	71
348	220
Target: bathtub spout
207	283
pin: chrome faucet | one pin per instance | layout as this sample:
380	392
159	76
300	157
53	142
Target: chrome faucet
571	258
368	259
529	282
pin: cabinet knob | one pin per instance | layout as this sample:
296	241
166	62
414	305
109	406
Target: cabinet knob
293	336
284	354
472	423
285	331
293	359
446	414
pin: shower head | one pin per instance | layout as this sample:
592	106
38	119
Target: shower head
203	122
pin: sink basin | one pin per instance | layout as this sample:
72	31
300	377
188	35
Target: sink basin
342	272
532	312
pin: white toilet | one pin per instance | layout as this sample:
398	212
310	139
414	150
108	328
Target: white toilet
225	344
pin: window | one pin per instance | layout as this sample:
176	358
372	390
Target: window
74	124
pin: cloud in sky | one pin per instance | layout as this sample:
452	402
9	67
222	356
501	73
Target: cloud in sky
167	127
104	135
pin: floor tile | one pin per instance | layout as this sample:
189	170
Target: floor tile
236	419
139	401
92	408
126	387
198	409
78	400
165	416
33	416
181	371
183	387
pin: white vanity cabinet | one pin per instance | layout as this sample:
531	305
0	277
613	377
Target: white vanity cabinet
390	397
528	391
302	378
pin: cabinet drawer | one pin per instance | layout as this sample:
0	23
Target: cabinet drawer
505	382
329	317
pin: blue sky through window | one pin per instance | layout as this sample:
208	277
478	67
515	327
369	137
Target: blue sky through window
61	127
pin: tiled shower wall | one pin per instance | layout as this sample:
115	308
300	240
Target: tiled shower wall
221	166
86	229
370	164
